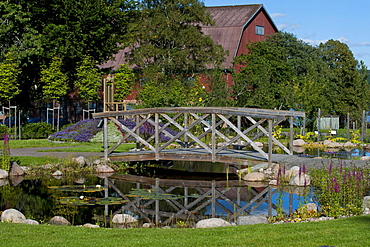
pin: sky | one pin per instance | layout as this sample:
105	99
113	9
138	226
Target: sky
317	21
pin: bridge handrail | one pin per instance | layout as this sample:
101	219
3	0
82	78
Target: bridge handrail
254	112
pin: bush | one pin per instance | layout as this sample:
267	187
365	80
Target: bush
36	130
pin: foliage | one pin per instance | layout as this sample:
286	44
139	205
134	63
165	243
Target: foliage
123	82
219	91
54	80
170	92
168	47
308	137
355	136
349	89
9	72
285	73
88	79
5	152
36	130
340	191
38	30
79	132
3	129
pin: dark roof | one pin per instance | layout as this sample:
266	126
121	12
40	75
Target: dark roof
230	22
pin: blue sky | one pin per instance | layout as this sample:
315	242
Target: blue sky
317	21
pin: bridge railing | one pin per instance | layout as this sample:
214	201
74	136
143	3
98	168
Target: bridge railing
157	129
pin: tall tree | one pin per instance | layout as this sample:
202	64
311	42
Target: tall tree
349	88
124	79
88	80
54	80
9	72
69	29
285	73
168	45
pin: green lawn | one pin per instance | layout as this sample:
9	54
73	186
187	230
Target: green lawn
342	232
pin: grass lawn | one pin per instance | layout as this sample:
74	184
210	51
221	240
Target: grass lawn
72	147
341	232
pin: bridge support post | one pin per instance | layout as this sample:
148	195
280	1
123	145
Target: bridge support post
291	136
105	138
270	143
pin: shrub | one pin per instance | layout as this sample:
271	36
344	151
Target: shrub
36	130
82	131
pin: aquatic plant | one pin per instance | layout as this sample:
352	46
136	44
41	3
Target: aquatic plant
340	191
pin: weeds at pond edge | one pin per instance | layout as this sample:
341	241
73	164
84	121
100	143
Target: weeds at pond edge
338	192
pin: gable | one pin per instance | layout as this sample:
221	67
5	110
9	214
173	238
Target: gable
235	26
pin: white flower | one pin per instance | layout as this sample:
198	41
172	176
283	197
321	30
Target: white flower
98	186
81	197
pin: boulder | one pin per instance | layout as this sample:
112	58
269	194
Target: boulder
365	158
57	173
4	182
80	160
366	202
30	222
254	176
15	169
213	222
122	219
292	172
334	145
3	174
91	225
299	143
311	207
148	225
104	169
258	167
349	144
251	220
12	215
300	180
59	221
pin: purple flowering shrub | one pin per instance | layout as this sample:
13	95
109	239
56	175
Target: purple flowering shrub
147	130
82	131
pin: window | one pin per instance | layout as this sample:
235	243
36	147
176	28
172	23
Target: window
260	30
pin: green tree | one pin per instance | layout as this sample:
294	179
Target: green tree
54	80
168	45
284	73
9	72
88	80
124	79
70	29
350	91
219	92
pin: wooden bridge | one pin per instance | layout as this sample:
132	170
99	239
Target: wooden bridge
209	130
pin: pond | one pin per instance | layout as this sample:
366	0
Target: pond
164	194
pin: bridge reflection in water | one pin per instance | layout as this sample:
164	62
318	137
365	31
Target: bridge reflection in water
192	200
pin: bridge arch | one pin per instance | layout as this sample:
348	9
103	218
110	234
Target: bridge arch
201	127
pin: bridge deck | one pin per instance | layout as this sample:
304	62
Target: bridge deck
242	157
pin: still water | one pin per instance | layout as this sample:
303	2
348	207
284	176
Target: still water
164	194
